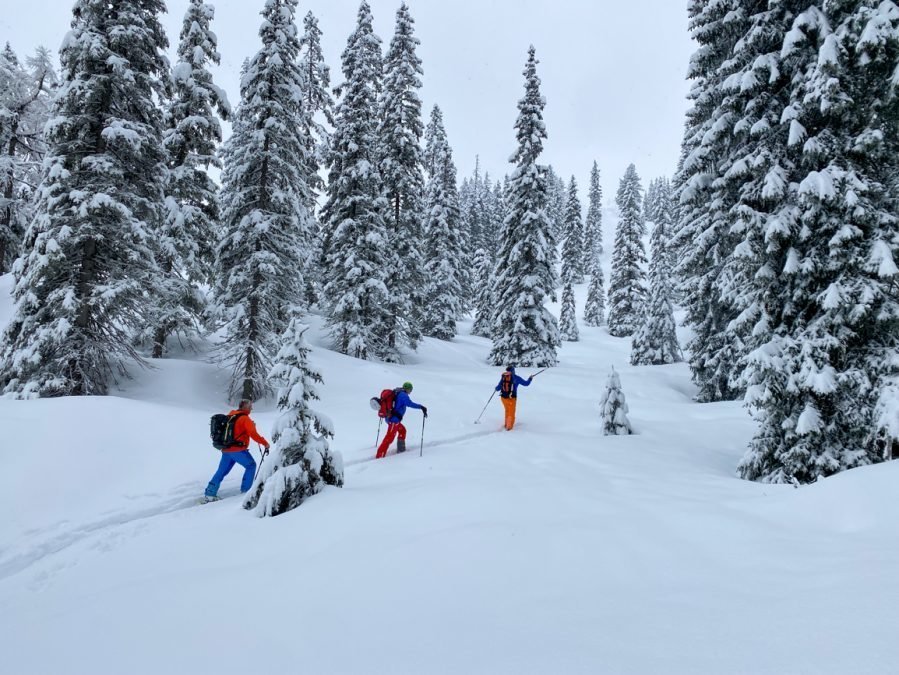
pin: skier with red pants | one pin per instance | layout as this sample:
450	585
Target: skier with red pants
401	402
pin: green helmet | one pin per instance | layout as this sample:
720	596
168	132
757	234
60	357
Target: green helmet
407	386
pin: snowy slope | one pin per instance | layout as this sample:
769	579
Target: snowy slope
550	549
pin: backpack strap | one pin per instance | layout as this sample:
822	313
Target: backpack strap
232	421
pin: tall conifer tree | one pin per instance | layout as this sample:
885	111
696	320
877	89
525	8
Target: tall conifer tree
317	98
401	170
267	227
573	250
655	343
568	315
357	244
595	308
446	274
26	92
818	215
191	138
593	221
81	289
525	333
483	301
702	242
626	283
319	109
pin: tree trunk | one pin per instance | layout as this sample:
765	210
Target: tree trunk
391	332
86	280
162	332
250	391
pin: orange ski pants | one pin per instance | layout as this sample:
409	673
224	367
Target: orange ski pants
509	405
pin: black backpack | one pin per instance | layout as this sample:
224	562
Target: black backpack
221	430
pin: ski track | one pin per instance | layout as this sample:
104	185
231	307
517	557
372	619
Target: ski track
19	562
430	444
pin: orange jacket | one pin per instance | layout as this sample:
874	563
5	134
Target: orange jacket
244	430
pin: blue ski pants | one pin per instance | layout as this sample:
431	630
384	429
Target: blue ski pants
229	459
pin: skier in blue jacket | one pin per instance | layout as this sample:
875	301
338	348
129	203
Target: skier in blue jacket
508	393
395	427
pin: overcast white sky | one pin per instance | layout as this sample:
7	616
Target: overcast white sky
612	70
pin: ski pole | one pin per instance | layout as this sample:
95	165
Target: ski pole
378	435
421	450
262	454
538	372
478	420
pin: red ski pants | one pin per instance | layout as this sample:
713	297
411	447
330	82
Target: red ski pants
393	430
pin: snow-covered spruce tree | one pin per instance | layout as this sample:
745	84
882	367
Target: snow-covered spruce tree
446	273
701	242
573	251
25	100
301	462
483	227
473	206
82	287
568	315
357	245
824	305
474	197
613	408
496	215
433	132
651	201
186	240
466	201
627	294
556	202
483	301
524	332
401	171
593	221
319	105
595	308
317	98
655	342
267	227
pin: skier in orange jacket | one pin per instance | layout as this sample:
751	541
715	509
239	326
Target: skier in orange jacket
239	453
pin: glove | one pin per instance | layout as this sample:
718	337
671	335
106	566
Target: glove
424	410
530	379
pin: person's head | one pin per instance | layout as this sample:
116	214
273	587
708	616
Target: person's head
511	369
245	405
407	387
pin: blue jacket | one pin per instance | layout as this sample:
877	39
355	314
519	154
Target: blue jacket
400	403
516	380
